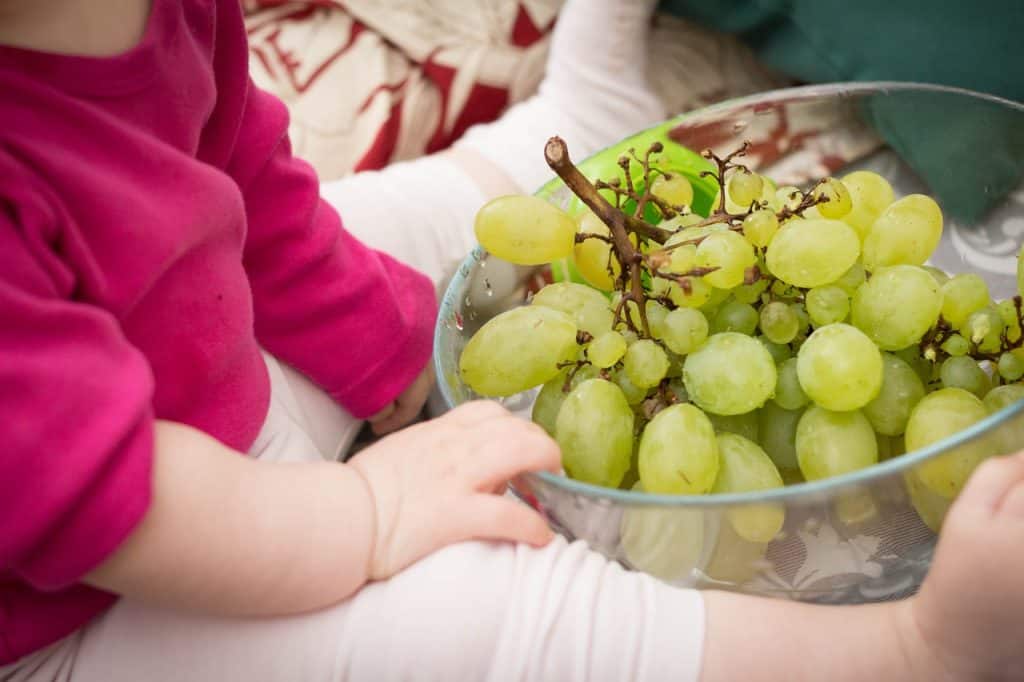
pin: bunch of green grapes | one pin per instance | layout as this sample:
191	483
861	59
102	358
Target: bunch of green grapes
787	336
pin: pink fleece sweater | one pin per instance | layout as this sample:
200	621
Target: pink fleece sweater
154	232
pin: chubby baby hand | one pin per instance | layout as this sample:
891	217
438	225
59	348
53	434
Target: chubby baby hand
443	481
405	407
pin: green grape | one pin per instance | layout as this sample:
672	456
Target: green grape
656	314
678	452
666	542
827	304
594	430
930	506
730	253
905	234
682	259
839	367
731	373
680	222
525	230
1007	310
548	403
940	276
735	317
760	226
594	257
645	363
901	390
834	443
745	467
741	424
777	434
673	188
1001	396
938	415
517	350
962	295
870	194
607	349
750	293
717	298
810	253
584	304
983	328
803	317
685	329
695	294
855	507
634	394
897	306
955	345
1010	366
921	366
789	394
839	201
779	323
964	372
787	196
779	351
745	187
888	446
851	279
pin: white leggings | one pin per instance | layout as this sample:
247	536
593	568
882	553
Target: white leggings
473	611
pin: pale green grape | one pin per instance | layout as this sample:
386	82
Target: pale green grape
685	329
656	314
682	259
745	187
1001	396
870	194
921	366
741	424
680	222
666	542
594	257
777	434
955	345
717	298
930	506
938	415
525	230
897	306
695	294
901	390
839	201
810	253
962	295
1010	366
964	372
803	317
731	373
827	304
834	443
735	317
548	403
586	305
984	328
645	363
594	430
673	188
750	293
779	323
634	394
745	467
839	367
1007	310
905	234
517	350
730	253
851	279
788	392
779	351
787	196
760	226
678	452
607	349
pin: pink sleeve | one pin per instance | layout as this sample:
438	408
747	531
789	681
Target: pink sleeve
354	320
77	427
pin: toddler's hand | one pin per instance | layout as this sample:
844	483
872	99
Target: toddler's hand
969	611
406	406
442	482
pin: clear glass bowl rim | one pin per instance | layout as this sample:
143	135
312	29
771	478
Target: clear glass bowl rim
808	490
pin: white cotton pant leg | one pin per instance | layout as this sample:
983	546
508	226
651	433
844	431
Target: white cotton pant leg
474	611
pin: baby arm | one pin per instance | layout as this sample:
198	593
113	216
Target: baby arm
231	535
964	624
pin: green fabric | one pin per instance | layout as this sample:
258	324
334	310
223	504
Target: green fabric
975	45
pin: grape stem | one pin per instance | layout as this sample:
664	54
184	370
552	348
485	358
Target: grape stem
931	343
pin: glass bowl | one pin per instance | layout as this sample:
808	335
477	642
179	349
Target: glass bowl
864	536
